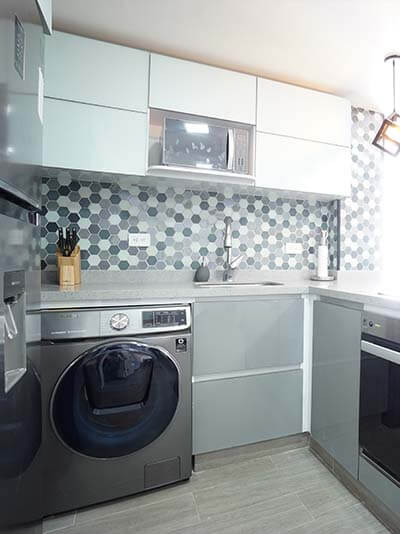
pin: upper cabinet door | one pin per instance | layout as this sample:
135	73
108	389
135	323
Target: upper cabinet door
94	72
288	164
303	113
46	15
187	87
93	138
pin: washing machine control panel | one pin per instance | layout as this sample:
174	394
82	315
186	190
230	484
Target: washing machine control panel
142	320
104	322
159	318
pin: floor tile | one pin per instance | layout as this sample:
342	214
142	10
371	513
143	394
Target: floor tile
276	515
251	470
162	517
239	497
95	513
296	461
249	452
61	521
321	500
354	519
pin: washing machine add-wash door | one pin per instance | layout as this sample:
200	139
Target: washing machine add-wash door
115	399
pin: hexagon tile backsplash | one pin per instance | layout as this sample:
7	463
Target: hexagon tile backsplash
361	213
186	224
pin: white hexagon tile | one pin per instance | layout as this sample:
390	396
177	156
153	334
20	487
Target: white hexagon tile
186	224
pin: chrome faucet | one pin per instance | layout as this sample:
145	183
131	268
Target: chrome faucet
230	264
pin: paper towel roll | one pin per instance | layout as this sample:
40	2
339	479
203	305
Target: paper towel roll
322	267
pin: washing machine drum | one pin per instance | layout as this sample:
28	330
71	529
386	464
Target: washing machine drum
115	399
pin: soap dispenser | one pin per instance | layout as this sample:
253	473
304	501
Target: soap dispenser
203	272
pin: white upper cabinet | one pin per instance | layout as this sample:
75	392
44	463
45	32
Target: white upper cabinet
293	111
94	72
288	164
93	138
187	87
46	14
303	140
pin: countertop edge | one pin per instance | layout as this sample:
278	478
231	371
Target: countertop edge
92	297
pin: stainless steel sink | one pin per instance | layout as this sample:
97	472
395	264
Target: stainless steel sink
237	284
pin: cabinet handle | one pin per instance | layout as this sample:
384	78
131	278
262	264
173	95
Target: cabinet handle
230	147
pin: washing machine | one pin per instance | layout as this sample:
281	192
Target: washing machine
117	402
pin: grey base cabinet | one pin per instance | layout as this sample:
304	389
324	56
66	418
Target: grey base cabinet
247	334
248	383
381	487
242	410
336	382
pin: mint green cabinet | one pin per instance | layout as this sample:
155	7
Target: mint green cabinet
93	138
95	72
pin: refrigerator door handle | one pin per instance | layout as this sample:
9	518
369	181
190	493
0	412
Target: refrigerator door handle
14	345
9	322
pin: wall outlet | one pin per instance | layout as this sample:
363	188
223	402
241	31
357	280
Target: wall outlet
293	248
139	240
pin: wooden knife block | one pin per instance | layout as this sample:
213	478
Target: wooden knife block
69	268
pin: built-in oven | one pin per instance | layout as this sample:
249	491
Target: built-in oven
380	393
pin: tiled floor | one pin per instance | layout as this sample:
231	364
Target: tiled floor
261	491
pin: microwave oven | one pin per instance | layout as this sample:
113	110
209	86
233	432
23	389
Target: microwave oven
204	145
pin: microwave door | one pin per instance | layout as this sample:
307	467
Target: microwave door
195	144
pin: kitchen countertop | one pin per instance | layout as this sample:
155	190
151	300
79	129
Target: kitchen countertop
122	289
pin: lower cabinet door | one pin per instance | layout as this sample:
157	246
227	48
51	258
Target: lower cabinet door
336	382
236	411
93	138
252	334
380	486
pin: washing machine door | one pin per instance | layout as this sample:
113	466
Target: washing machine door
115	399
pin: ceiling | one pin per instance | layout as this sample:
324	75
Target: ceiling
336	46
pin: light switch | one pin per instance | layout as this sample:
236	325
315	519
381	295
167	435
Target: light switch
293	248
139	240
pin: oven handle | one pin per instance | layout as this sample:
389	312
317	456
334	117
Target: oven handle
381	352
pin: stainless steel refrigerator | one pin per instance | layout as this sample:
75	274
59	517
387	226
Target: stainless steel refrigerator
21	123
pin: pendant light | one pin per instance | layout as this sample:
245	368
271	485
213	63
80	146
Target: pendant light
388	136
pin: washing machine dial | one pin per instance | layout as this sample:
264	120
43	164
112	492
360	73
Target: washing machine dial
119	321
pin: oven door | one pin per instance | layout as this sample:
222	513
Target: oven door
380	405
